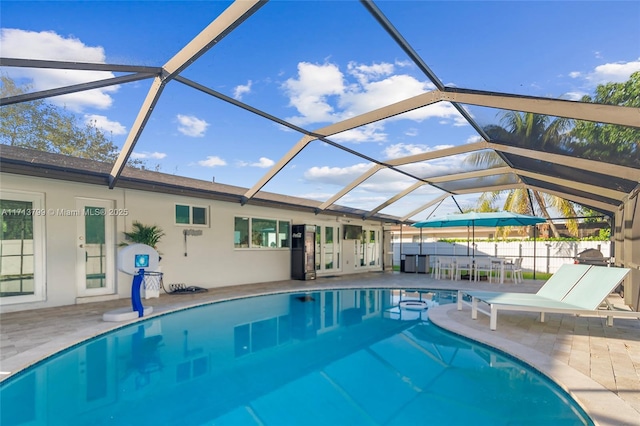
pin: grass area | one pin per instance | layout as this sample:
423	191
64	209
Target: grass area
539	275
526	275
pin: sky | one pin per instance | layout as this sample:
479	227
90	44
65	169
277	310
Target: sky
314	63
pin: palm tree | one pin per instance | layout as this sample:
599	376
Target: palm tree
532	131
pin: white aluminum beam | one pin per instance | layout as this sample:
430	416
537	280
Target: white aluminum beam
438	179
299	146
455	150
470	175
570	161
351	123
226	22
136	129
233	16
489	188
364	176
577	199
397	108
599	113
424	207
605	192
394	198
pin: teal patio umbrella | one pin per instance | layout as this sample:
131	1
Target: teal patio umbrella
473	219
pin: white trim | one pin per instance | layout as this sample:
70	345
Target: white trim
39	245
191	224
110	247
250	230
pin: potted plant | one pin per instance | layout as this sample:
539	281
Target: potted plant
149	235
144	234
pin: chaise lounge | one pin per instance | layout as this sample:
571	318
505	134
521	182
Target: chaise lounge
573	289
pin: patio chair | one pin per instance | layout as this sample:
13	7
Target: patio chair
464	263
515	270
445	265
483	264
583	297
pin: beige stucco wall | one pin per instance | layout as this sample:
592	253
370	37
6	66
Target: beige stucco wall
211	260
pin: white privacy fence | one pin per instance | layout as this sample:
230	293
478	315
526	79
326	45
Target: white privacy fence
546	256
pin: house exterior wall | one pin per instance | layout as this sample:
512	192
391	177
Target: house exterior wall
208	260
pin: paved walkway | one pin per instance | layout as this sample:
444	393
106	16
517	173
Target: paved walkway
598	365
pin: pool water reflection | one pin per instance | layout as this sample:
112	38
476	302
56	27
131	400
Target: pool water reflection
343	357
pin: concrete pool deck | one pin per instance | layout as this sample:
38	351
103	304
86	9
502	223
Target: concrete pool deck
598	365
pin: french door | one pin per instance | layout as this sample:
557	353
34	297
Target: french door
95	247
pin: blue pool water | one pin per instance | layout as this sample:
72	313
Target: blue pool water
347	357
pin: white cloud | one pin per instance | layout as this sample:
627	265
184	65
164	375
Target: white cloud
191	126
370	133
382	185
262	163
365	202
389	185
147	155
473	139
574	96
460	121
318	196
616	72
379	93
242	89
47	45
400	150
104	124
322	93
364	73
212	161
336	175
310	92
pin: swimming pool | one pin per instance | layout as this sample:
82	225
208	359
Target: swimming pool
345	357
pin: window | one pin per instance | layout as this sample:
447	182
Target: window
21	247
191	215
241	232
265	233
283	234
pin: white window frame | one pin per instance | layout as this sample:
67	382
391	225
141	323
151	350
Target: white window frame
251	246
191	207
39	242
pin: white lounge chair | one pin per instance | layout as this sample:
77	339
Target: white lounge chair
583	296
556	287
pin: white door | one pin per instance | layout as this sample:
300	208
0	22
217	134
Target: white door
95	247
